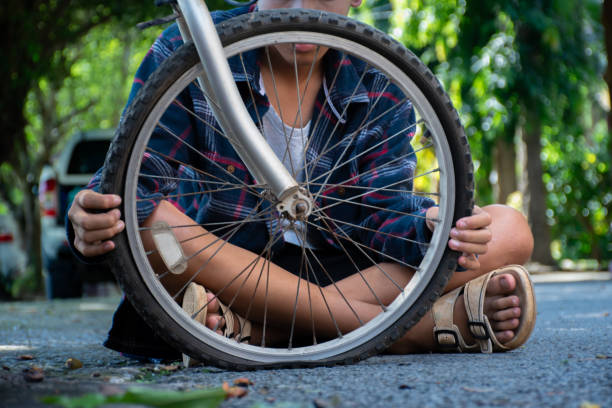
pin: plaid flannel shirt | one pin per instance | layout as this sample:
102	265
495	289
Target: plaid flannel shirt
339	106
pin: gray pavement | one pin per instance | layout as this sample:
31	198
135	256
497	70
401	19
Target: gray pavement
566	363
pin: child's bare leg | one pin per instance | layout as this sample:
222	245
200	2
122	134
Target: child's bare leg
501	307
227	274
233	260
512	243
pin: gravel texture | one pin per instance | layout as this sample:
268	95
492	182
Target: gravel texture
566	363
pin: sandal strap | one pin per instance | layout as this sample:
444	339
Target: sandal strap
479	323
193	299
446	334
244	326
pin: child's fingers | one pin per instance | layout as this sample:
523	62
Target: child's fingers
479	236
478	219
469	261
467	247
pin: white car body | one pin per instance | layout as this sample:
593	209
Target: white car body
71	171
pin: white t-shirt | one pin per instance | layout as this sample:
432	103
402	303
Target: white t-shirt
288	143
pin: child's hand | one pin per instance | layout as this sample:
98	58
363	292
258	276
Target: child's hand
95	220
470	235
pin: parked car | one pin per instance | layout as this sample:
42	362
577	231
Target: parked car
12	257
70	172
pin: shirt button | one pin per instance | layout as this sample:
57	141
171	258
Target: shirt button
231	169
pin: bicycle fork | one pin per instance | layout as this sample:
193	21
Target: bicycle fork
196	24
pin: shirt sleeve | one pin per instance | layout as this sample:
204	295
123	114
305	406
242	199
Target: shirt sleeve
398	228
159	172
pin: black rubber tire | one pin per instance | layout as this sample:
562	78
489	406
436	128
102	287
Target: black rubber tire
234	30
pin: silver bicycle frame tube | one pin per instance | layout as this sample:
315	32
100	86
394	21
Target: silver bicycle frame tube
229	109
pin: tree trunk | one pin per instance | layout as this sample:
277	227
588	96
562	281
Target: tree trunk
505	162
32	236
536	193
12	121
606	18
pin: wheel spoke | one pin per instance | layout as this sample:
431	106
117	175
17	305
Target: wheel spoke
188	180
249	190
350	200
386	256
391	235
355	179
332	186
200	154
374	263
225	241
359	155
333	132
325	148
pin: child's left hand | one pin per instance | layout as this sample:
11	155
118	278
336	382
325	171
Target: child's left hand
470	236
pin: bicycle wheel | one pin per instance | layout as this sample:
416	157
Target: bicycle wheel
372	162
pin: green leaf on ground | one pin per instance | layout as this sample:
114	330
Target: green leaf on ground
208	398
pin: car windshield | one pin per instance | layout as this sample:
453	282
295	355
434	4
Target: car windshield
88	156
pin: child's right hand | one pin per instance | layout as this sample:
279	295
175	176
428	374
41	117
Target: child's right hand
93	226
470	236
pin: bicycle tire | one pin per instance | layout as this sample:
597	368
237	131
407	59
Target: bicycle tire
160	314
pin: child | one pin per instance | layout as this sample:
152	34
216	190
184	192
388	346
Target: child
481	237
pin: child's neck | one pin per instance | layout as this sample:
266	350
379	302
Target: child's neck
283	93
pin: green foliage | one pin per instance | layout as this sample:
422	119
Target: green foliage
503	63
207	398
101	66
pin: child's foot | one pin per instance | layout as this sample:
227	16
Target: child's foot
501	306
495	311
214	318
205	308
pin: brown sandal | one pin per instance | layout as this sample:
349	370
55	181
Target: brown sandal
447	335
195	303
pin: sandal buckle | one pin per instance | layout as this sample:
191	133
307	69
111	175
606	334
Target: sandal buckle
444	331
477	336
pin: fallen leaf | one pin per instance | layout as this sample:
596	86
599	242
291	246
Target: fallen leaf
606	314
602	357
7	368
74	364
469	389
26	357
34	374
587	404
319	403
169	367
108	390
405	387
243	382
207	398
233	392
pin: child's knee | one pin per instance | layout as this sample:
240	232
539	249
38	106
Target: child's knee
513	225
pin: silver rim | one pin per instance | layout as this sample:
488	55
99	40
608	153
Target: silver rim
444	177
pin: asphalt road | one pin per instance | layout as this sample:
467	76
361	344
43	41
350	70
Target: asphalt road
566	363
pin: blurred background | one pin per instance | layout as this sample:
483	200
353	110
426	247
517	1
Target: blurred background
530	80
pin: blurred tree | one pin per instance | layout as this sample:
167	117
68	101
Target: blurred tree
531	71
34	33
62	76
606	19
